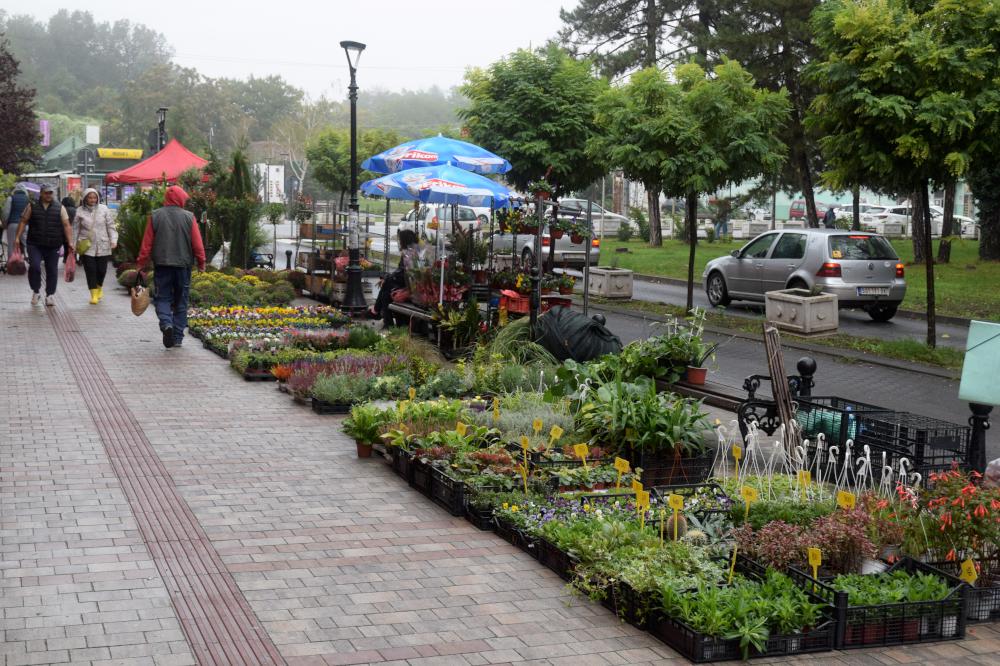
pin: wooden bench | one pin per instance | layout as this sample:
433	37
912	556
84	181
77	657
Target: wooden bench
412	313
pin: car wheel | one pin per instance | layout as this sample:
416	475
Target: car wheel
718	295
527	259
882	312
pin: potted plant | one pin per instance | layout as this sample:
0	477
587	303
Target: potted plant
611	282
802	311
565	284
364	425
700	352
579	232
542	189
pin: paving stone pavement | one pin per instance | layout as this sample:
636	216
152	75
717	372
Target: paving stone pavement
339	561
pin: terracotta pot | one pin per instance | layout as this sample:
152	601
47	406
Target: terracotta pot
556	234
696	376
576	239
542	196
530	231
566	291
546	292
364	450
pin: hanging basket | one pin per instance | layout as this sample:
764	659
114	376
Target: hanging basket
556	234
576	239
541	195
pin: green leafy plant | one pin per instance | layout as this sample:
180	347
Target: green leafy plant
365	423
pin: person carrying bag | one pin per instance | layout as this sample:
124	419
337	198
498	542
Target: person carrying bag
95	238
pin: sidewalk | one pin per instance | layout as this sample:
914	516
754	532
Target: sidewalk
157	509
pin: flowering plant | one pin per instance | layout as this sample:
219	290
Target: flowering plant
966	517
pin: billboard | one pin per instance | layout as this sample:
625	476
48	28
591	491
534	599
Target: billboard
272	182
45	130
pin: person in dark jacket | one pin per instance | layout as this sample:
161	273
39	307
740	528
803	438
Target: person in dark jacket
48	229
830	219
69	203
18	202
173	241
393	281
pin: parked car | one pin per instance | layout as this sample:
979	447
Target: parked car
861	268
567	253
797	211
428	219
967	226
578	207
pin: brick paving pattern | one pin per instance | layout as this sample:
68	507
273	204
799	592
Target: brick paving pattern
338	560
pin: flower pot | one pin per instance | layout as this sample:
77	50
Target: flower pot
546	292
541	195
696	376
798	311
575	239
364	449
611	282
566	291
556	234
531	231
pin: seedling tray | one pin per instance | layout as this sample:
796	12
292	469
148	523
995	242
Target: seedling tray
689	490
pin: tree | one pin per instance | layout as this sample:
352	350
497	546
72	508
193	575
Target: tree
631	124
18	126
537	109
621	35
902	84
984	178
772	39
717	129
330	156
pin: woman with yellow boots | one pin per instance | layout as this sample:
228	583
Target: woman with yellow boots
95	238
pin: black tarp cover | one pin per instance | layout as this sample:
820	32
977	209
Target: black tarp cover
568	334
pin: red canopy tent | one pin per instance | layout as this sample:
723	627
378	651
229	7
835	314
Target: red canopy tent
164	165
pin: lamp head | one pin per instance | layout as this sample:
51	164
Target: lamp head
353	51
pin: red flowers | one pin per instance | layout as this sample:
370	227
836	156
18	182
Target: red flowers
980	511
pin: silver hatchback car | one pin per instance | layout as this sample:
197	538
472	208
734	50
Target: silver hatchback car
861	268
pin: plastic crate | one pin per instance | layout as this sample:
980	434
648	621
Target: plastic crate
421	477
322	407
631	606
928	443
516	536
666	469
402	463
688	490
448	492
896	623
556	559
982	601
836	418
482	519
258	375
699	648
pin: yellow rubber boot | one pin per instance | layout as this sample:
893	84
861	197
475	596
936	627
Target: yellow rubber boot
93	297
100	293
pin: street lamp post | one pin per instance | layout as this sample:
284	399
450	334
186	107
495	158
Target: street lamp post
354	298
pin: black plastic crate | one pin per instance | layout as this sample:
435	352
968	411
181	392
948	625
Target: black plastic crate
259	375
421	477
688	490
323	407
555	558
402	463
481	518
448	492
629	605
699	648
666	469
929	443
513	535
836	418
893	624
983	598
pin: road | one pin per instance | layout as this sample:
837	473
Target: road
852	322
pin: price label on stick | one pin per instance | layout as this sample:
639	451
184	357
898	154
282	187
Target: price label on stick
642	500
461	428
636	486
412	393
815	559
555	433
805	477
581	451
676	502
749	494
737	452
536	425
622	466
846	500
525	443
969	573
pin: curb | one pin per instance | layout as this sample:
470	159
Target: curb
908	314
850	354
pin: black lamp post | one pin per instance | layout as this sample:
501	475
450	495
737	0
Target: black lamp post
354	298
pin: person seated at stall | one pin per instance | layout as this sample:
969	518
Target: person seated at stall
392	281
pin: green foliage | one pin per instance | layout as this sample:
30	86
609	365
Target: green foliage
133	216
7	182
365	423
624	233
536	108
343	389
628	34
889	588
329	155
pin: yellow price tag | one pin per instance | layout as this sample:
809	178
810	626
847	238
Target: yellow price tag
581	451
642	500
461	428
749	494
555	433
846	500
805	477
412	393
622	466
525	443
815	557
523	469
496	410
676	502
969	573
636	486
536	425
737	451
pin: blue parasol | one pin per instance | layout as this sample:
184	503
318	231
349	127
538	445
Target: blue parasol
434	151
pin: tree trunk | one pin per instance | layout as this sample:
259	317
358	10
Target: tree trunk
856	210
691	212
917	227
655	233
989	234
652	33
805	172
929	261
947	224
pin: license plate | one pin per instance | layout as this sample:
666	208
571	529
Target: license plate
873	291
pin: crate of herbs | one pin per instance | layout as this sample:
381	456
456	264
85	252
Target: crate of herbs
911	602
761	613
448	490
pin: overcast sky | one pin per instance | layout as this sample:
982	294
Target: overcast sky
410	44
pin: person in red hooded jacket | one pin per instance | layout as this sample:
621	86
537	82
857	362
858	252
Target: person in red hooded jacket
173	241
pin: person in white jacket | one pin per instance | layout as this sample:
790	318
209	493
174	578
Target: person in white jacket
94	223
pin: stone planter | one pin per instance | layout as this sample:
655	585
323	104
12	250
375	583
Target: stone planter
798	311
338	291
611	282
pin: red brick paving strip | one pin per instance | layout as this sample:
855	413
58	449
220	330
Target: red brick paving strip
215	616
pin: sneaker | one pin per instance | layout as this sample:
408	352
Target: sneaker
179	343
168	337
50	300
36	298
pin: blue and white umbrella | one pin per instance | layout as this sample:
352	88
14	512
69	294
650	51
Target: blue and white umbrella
434	151
444	184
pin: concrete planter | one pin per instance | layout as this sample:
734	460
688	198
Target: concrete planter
611	282
798	311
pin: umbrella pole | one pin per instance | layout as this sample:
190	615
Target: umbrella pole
489	273
441	259
385	253
586	257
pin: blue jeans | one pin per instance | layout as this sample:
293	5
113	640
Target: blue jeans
50	255
170	298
